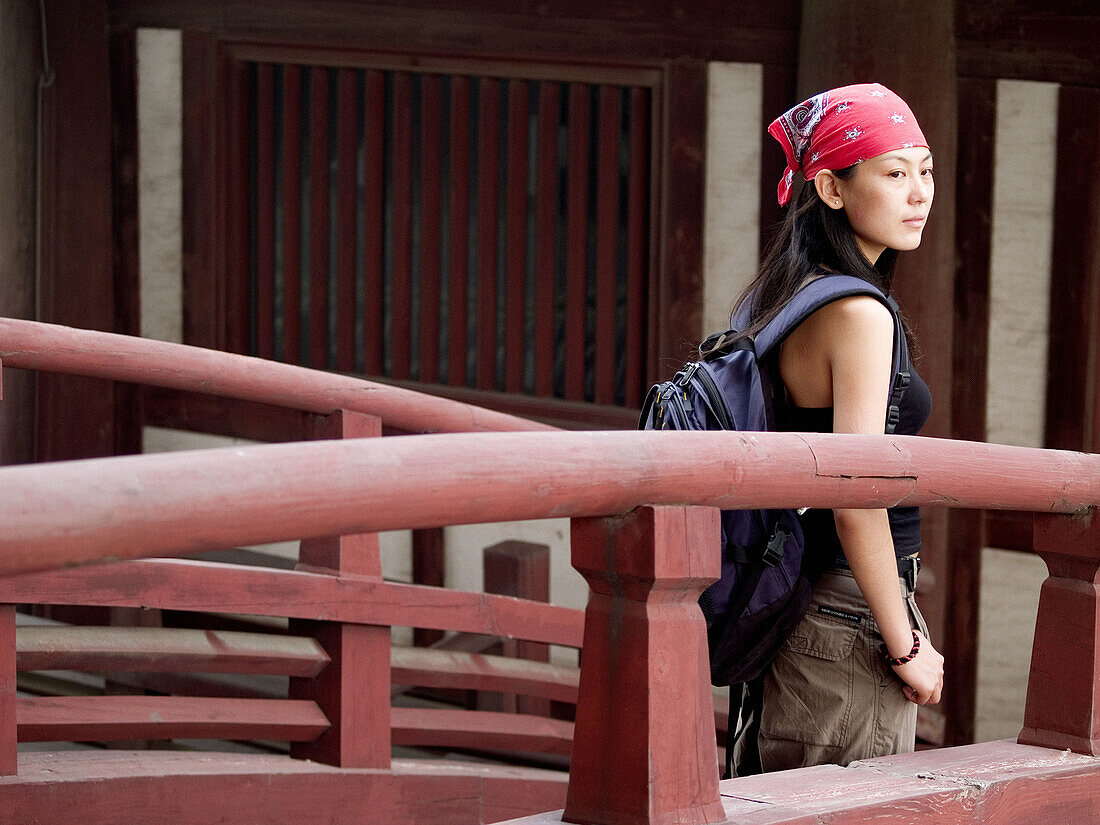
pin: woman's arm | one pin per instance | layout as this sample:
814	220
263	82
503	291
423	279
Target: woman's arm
842	355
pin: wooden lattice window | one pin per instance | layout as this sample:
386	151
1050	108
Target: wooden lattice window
463	229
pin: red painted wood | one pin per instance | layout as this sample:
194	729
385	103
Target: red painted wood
546	234
166	650
46	347
458	232
478	671
488	216
265	211
107	718
1009	531
442	728
146	505
208	587
231	218
198	788
9	759
431	212
645	756
318	217
576	235
638	255
374	132
1063	691
428	567
292	215
607	237
515	252
401	203
521	569
347	180
353	692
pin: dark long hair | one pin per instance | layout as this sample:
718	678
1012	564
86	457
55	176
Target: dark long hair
812	237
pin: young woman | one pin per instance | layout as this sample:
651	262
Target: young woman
848	682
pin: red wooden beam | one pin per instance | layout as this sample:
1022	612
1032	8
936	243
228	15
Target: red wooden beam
401	183
264	215
431	212
347	179
166	650
476	671
488	228
607	235
292	215
9	758
433	727
318	217
30	345
515	281
205	587
546	234
374	132
71	512
576	240
458	233
111	718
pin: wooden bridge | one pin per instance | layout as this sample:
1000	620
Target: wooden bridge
644	518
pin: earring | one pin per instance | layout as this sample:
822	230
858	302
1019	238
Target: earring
838	203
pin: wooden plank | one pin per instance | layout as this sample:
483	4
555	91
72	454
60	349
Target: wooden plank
488	216
639	255
208	587
458	233
515	250
189	788
374	133
110	718
76	224
431	216
576	235
292	351
546	235
235	187
265	211
963	561
428	568
1072	410
318	217
347	179
166	650
1009	531
9	757
197	412
482	730
401	148
607	236
478	671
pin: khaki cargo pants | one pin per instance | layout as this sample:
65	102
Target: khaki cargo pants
829	697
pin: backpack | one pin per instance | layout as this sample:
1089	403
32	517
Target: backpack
765	587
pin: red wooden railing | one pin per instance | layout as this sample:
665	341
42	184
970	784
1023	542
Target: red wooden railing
643	746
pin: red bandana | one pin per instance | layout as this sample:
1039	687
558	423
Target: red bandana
841	127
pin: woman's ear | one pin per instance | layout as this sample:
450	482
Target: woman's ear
827	189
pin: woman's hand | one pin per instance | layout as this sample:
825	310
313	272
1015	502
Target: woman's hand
923	674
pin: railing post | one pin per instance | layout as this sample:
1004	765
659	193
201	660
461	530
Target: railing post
1062	708
644	749
9	757
354	688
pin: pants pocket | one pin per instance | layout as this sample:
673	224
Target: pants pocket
809	689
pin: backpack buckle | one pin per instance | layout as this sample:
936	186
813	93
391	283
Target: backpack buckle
776	546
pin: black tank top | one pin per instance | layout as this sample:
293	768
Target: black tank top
819	525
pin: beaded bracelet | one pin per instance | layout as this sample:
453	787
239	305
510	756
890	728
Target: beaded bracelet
908	657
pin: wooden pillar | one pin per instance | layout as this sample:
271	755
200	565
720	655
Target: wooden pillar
9	760
520	569
428	564
644	749
1063	706
1072	406
354	688
77	415
20	63
856	41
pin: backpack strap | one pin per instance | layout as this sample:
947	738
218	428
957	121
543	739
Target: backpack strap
825	290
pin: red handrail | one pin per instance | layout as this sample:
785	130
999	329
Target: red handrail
52	348
178	503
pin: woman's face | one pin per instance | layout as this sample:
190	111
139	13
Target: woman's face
887	199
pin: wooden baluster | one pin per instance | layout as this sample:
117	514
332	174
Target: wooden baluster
644	748
520	569
354	689
1062	708
9	758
